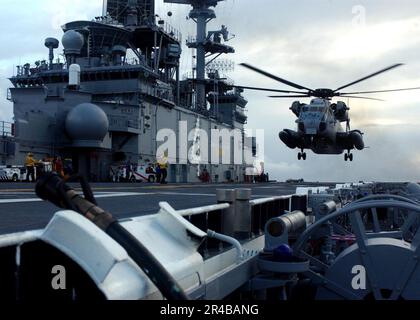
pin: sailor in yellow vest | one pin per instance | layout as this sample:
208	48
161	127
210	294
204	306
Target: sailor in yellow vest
30	163
163	165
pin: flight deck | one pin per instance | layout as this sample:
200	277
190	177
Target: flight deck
22	210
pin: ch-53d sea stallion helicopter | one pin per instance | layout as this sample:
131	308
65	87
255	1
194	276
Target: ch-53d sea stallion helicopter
320	122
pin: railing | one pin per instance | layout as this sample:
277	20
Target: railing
188	213
161	93
191	40
121	123
6	129
174	33
238	216
208	218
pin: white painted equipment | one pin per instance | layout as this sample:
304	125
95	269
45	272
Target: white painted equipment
173	240
74	75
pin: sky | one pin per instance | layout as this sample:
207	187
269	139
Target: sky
316	43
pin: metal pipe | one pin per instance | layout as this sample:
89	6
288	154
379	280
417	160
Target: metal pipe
230	240
257	202
20	238
201	210
178	87
327	207
290	223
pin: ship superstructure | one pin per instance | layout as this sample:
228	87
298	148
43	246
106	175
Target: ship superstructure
119	86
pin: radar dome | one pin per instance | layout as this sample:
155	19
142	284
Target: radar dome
87	125
72	42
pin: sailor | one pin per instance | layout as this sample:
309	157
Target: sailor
128	170
58	166
30	163
158	173
112	174
205	176
163	165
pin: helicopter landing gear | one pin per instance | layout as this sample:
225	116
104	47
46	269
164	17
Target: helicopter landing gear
348	157
302	156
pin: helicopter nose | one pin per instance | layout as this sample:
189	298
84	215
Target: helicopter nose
312	127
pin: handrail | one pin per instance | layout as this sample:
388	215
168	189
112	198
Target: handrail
201	210
6	129
257	202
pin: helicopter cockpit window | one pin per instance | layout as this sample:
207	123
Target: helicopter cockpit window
313	109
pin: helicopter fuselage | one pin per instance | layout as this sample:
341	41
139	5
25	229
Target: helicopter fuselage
319	123
320	129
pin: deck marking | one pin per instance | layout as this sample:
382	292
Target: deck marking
99	196
186	194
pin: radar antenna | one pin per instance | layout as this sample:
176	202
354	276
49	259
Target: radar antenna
201	14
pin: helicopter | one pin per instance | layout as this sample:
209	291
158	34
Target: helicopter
320	123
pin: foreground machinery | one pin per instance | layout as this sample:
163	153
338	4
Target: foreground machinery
356	242
118	86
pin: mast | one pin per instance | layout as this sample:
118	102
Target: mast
201	14
104	8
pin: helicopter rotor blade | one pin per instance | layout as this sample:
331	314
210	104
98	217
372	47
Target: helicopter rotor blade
380	91
370	76
267	89
293	96
365	98
291	84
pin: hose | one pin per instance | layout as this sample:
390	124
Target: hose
227	239
52	188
